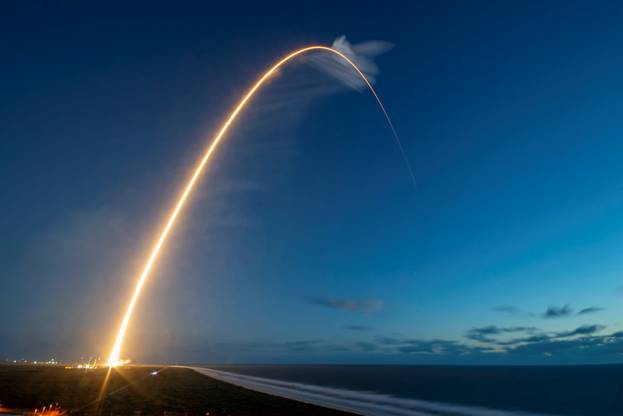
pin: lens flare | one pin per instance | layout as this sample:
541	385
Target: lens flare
114	357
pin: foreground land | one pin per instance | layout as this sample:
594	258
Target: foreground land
133	390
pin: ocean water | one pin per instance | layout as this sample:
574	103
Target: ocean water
439	390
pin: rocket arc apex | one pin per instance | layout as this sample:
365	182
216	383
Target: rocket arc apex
114	357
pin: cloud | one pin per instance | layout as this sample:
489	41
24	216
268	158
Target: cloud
489	334
583	344
415	346
557	312
604	348
582	330
365	306
548	337
361	54
437	347
550	312
592	309
525	340
485	333
357	328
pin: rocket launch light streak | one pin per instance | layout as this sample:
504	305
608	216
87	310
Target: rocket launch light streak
114	358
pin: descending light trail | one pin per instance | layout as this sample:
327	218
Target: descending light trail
114	358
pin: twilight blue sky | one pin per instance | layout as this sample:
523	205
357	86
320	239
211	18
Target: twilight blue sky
306	241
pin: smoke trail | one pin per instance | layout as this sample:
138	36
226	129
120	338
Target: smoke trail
361	54
114	358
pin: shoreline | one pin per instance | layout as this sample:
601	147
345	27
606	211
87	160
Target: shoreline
354	402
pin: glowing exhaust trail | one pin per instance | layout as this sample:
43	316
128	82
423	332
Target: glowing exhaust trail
114	358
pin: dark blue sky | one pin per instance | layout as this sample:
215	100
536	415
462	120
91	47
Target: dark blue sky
306	241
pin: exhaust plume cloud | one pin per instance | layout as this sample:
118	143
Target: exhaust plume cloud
362	54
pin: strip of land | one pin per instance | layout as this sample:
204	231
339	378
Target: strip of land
137	390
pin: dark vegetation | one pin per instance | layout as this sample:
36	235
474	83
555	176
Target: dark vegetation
133	391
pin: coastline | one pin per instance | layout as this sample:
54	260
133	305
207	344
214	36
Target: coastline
354	402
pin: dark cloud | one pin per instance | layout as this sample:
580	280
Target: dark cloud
524	340
414	346
583	344
437	347
557	312
486	333
585	348
582	330
592	309
540	338
358	328
550	312
370	305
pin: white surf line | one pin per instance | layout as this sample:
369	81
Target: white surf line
360	402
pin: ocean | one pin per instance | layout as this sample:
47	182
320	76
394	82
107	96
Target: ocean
395	390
